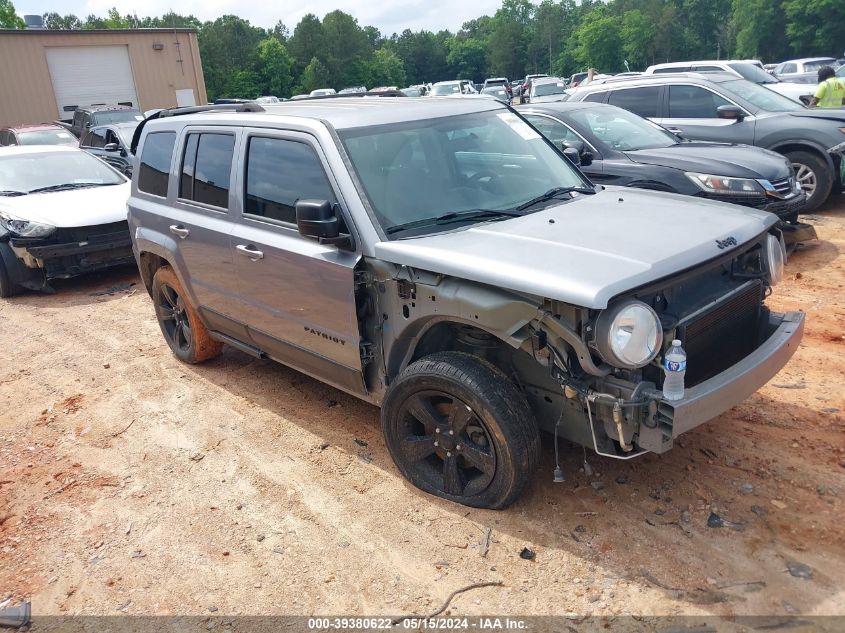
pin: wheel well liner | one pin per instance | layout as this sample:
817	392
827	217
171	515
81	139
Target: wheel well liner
148	265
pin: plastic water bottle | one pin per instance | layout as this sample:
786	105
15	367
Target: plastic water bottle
674	366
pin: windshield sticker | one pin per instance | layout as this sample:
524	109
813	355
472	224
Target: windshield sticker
519	126
138	117
63	134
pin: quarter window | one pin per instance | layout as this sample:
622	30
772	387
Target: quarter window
553	130
207	168
596	97
154	169
642	101
280	172
95	138
693	102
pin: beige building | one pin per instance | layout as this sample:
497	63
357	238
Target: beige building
45	75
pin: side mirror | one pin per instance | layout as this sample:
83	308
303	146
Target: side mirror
572	154
730	112
317	219
112	147
586	159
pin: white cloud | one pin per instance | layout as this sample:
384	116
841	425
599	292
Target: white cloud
390	17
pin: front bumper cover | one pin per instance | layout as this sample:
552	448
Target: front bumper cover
668	419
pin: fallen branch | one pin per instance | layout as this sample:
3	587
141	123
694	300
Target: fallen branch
742	584
477	585
124	430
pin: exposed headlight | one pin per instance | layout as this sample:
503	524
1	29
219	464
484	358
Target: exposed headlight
725	185
628	335
775	258
24	228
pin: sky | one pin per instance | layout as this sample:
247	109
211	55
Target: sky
388	16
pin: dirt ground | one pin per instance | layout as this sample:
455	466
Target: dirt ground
131	483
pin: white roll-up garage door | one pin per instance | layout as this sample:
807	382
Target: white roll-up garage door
85	75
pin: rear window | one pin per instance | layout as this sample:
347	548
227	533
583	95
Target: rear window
642	101
154	169
207	168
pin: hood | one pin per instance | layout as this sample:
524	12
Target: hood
77	207
739	161
598	246
834	115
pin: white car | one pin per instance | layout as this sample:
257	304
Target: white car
62	213
456	87
798	67
750	69
545	89
322	92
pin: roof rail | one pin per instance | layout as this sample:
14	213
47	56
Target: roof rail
212	107
383	93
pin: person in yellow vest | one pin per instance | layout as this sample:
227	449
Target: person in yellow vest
831	90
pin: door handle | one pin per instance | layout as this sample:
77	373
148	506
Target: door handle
178	229
250	251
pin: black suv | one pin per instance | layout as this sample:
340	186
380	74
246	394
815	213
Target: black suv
722	107
88	116
111	144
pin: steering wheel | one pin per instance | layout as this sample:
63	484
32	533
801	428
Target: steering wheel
478	176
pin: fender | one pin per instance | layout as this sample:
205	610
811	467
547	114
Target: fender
145	240
810	145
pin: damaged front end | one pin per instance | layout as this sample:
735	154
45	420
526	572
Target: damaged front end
612	399
66	252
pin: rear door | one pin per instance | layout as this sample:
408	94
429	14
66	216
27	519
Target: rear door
296	296
692	110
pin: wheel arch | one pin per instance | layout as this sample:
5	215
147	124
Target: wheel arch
783	147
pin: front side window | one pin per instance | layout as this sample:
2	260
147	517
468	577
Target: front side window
694	102
621	130
156	155
789	68
491	163
642	101
553	130
95	138
278	174
207	168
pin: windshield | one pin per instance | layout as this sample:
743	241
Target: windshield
445	89
47	137
25	172
754	73
761	97
544	90
490	161
116	116
621	130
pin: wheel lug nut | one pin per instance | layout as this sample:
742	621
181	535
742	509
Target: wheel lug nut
448	454
451	432
458	447
437	443
437	430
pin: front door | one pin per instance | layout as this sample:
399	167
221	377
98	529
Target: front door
693	110
297	297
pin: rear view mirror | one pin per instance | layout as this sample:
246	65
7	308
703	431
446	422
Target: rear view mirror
730	112
318	219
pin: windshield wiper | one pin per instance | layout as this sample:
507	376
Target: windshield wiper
12	193
66	185
453	216
551	194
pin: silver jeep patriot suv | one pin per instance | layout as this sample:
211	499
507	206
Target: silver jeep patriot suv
439	258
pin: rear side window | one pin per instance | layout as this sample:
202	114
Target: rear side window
154	169
596	97
642	101
280	172
693	102
207	168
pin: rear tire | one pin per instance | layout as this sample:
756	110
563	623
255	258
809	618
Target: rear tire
180	324
458	428
813	175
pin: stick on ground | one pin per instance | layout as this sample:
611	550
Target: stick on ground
478	585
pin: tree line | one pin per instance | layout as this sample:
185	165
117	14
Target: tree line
556	37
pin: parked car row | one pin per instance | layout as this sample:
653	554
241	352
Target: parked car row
471	268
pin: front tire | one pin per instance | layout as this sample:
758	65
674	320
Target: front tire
814	176
7	287
458	428
180	324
